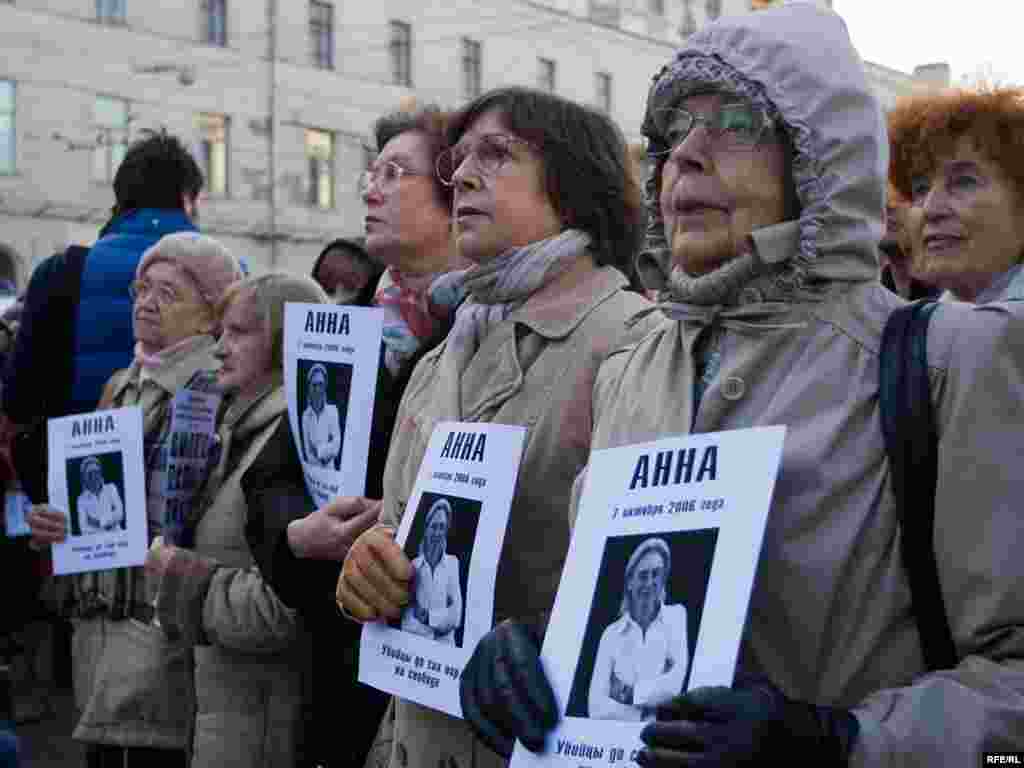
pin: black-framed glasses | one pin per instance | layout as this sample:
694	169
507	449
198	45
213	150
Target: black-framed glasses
489	152
731	126
386	176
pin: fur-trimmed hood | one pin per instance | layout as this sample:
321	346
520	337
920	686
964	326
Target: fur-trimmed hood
796	61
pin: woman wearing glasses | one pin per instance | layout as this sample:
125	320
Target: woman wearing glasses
547	212
131	685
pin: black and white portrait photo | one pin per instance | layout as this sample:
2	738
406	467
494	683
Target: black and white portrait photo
643	624
96	492
323	393
440	546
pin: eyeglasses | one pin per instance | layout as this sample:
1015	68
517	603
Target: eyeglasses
731	126
386	176
163	294
490	152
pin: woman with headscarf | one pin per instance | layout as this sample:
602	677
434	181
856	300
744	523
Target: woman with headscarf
957	159
321	424
549	215
766	195
133	688
251	657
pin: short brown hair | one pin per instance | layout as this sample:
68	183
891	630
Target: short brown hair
430	121
925	128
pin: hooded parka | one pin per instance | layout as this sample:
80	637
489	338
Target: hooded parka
797	344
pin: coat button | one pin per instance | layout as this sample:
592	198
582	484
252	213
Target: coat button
733	388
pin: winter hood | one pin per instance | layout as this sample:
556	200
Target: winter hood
797	62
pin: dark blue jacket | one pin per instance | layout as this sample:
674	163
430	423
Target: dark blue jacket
76	328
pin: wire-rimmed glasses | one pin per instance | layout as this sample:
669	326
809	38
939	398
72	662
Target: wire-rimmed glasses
489	152
731	126
386	176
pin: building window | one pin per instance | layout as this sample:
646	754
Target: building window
401	53
110	121
215	22
714	8
546	75
321	34
7	144
472	66
213	133
320	156
110	11
603	82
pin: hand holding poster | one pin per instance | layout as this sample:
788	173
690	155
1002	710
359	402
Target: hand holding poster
655	589
331	358
460	505
96	476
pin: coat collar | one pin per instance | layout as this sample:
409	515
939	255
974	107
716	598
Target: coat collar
554	311
178	368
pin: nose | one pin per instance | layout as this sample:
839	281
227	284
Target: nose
371	191
465	177
693	152
219	350
936	203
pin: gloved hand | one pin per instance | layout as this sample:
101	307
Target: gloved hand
751	724
376	576
504	692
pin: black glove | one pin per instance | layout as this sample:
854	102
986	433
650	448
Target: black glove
752	724
504	692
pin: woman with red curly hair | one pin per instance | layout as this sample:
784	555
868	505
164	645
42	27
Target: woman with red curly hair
958	156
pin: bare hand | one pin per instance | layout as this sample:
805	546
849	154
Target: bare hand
47	525
329	532
374	581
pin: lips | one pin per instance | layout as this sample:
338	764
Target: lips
372	220
936	242
467	210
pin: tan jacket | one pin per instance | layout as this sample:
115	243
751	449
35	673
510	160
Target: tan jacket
535	369
134	688
830	618
250	664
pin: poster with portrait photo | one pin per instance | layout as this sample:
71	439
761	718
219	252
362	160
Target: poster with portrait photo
655	589
452	532
332	354
440	548
97	478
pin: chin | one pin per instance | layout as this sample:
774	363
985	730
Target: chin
701	254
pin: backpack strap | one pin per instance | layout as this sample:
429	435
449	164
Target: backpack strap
911	440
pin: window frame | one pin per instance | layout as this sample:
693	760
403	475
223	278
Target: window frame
207	10
400	48
547	74
104	16
104	144
12	113
321	26
472	68
604	89
206	153
313	179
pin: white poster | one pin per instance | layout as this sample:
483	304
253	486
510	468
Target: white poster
97	477
331	358
654	593
16	506
460	505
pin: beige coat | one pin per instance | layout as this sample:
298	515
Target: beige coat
133	686
250	658
535	369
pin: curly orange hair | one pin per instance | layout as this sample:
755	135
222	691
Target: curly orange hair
925	129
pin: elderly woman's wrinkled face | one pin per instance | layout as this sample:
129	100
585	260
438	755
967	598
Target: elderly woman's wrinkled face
168	307
500	198
245	345
965	223
716	191
646	587
436	536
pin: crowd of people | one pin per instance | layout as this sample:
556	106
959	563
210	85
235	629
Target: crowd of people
527	276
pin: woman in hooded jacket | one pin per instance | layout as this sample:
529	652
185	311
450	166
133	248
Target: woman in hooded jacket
132	686
251	657
769	165
548	213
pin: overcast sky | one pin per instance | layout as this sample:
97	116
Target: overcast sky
971	35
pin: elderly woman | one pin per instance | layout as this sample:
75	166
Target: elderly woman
250	659
436	608
766	198
134	689
550	217
956	156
